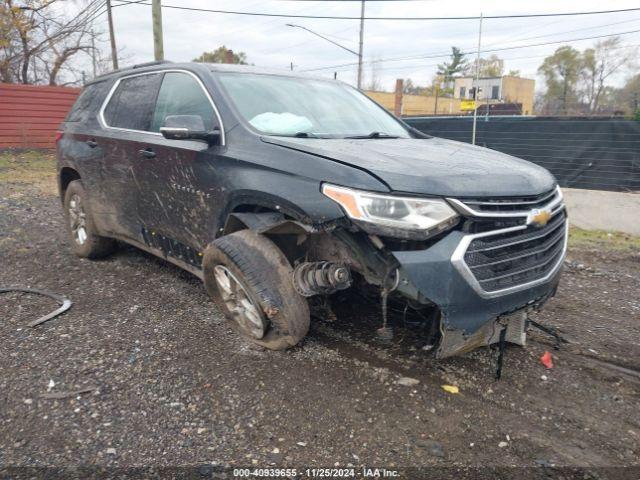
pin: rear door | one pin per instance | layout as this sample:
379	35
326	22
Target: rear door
126	118
176	181
78	147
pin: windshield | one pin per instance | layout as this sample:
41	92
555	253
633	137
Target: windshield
287	106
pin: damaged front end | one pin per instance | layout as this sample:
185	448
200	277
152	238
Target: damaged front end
482	268
473	268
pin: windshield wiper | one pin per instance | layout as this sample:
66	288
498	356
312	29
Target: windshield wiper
305	135
374	135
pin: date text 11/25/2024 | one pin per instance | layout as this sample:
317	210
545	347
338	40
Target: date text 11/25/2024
364	472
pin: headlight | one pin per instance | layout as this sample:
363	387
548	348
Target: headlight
402	217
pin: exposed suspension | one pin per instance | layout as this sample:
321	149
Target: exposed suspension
320	278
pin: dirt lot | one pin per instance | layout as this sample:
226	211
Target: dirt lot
174	386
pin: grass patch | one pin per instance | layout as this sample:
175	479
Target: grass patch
30	168
598	239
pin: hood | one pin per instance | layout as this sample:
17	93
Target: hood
431	166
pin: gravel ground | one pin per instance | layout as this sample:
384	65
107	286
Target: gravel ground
170	384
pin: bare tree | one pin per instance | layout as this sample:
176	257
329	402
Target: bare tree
63	50
491	66
39	38
374	83
599	64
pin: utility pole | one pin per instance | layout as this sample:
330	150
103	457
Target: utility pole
360	44
112	37
158	46
475	100
486	114
397	103
93	54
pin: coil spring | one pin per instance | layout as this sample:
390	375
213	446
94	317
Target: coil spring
320	278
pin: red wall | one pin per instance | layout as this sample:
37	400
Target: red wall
31	114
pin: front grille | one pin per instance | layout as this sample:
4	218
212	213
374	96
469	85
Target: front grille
511	204
510	259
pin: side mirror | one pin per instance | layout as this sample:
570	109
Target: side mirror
188	127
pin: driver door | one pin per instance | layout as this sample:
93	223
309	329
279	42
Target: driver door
176	178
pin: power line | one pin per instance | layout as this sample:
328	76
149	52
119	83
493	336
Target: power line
91	8
491	50
527	57
266	23
594	27
324	37
75	22
321	1
337	17
101	10
295	45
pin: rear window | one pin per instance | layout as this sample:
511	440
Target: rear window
88	101
131	105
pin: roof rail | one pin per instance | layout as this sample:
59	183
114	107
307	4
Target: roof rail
124	69
149	64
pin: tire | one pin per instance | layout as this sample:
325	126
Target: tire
83	237
265	274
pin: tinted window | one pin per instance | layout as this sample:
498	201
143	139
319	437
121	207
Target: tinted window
87	102
131	105
181	94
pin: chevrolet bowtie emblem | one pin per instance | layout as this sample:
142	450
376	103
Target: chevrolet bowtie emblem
538	217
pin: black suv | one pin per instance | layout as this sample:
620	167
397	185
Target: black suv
278	189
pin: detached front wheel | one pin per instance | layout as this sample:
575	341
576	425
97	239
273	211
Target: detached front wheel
250	278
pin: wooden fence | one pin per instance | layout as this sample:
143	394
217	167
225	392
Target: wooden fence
31	114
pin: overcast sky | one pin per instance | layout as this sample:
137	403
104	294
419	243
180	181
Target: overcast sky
267	41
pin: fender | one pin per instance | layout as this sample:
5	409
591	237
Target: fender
66	174
267	222
308	212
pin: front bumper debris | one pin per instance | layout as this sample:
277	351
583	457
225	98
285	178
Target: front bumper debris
469	317
456	342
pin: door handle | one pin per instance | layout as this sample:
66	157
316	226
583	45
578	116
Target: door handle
147	153
92	143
